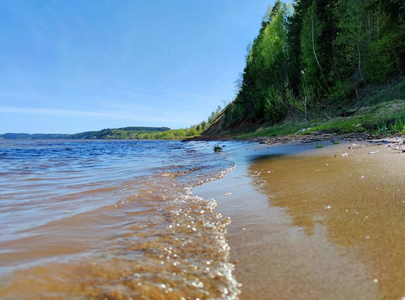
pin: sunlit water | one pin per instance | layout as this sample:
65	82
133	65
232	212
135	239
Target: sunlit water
313	223
111	220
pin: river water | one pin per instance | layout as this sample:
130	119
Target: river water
111	220
312	223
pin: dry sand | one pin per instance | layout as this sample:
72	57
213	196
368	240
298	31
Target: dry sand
315	223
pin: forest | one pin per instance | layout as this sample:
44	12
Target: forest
144	133
319	59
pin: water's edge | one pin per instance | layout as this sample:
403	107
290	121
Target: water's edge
158	241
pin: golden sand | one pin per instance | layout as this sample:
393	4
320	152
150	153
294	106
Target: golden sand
322	224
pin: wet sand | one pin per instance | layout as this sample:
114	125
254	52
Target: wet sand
315	223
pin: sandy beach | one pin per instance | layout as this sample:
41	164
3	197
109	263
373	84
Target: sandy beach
315	223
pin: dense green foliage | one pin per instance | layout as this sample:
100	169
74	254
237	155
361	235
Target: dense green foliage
119	133
174	134
381	119
142	129
312	59
145	133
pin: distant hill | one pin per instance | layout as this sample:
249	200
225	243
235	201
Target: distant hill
145	129
117	133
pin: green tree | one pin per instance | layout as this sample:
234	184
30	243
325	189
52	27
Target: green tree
179	133
350	44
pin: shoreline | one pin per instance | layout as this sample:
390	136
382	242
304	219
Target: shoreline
291	236
301	138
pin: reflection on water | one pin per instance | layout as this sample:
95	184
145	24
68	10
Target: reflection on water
111	220
346	234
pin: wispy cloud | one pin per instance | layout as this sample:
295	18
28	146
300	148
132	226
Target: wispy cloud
6	95
78	113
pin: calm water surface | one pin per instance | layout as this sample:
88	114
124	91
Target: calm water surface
111	220
313	223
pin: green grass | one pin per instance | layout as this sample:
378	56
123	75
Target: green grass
384	118
374	94
280	129
378	109
381	119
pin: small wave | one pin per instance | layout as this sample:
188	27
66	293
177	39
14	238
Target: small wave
178	250
159	242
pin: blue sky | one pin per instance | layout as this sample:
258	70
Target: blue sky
78	65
